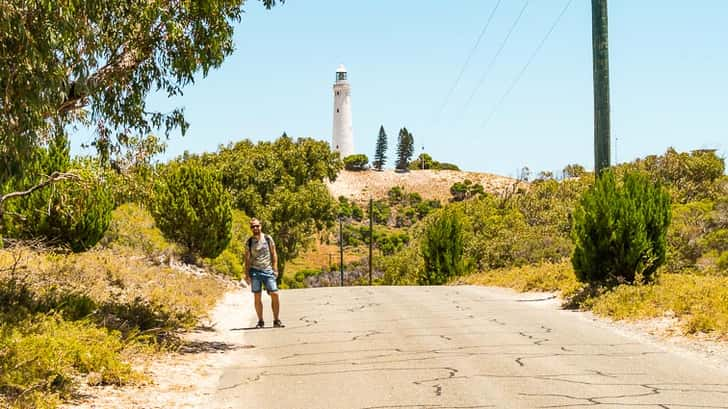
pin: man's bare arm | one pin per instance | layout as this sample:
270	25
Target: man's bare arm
247	266
274	259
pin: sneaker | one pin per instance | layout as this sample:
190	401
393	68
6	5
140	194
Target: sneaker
278	324
261	324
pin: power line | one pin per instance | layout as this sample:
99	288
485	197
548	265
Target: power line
528	63
470	56
495	57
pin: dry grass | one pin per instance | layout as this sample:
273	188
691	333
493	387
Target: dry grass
699	303
69	318
558	277
323	257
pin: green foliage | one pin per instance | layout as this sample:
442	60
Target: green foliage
465	190
356	162
688	176
281	183
132	226
230	262
380	158
426	207
131	174
550	203
722	261
44	355
497	235
405	149
689	222
574	171
390	243
425	161
192	208
299	279
49	82
443	249
350	209
73	213
395	195
447	166
620	231
401	268
381	211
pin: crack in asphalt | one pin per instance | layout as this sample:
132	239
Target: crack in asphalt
454	364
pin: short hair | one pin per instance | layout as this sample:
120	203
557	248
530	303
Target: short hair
253	220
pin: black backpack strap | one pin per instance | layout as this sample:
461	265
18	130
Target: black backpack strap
268	240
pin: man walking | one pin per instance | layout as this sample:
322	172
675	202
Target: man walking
261	269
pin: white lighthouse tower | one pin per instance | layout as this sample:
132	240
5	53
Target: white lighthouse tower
343	135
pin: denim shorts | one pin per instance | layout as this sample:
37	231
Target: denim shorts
258	279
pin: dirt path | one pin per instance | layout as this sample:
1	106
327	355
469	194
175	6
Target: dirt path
189	378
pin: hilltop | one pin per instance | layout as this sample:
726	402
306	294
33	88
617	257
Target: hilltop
430	184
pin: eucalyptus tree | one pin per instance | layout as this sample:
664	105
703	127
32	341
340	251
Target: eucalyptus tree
281	183
94	62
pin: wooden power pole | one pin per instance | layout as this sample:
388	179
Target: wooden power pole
371	238
600	50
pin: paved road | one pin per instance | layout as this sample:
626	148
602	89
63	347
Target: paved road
453	347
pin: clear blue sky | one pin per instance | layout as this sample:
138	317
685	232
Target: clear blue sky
668	63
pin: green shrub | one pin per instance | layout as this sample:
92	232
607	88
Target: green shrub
620	231
442	249
401	268
45	354
73	213
132	226
381	211
356	162
192	208
722	261
395	195
465	190
231	261
446	166
688	176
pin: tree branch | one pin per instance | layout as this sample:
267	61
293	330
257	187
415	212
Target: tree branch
54	177
124	63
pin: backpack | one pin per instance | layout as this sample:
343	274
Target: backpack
249	243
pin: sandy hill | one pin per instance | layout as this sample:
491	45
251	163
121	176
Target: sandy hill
431	184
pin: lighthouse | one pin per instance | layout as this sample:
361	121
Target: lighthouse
343	135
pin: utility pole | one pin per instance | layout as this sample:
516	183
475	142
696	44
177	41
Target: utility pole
341	250
371	238
600	51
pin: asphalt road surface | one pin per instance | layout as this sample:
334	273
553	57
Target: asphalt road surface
452	347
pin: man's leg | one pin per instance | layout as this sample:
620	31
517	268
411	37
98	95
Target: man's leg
275	304
259	305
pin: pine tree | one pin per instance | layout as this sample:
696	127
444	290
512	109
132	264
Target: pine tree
192	208
405	149
620	231
379	156
443	249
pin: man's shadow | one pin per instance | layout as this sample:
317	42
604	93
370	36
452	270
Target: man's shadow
249	328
